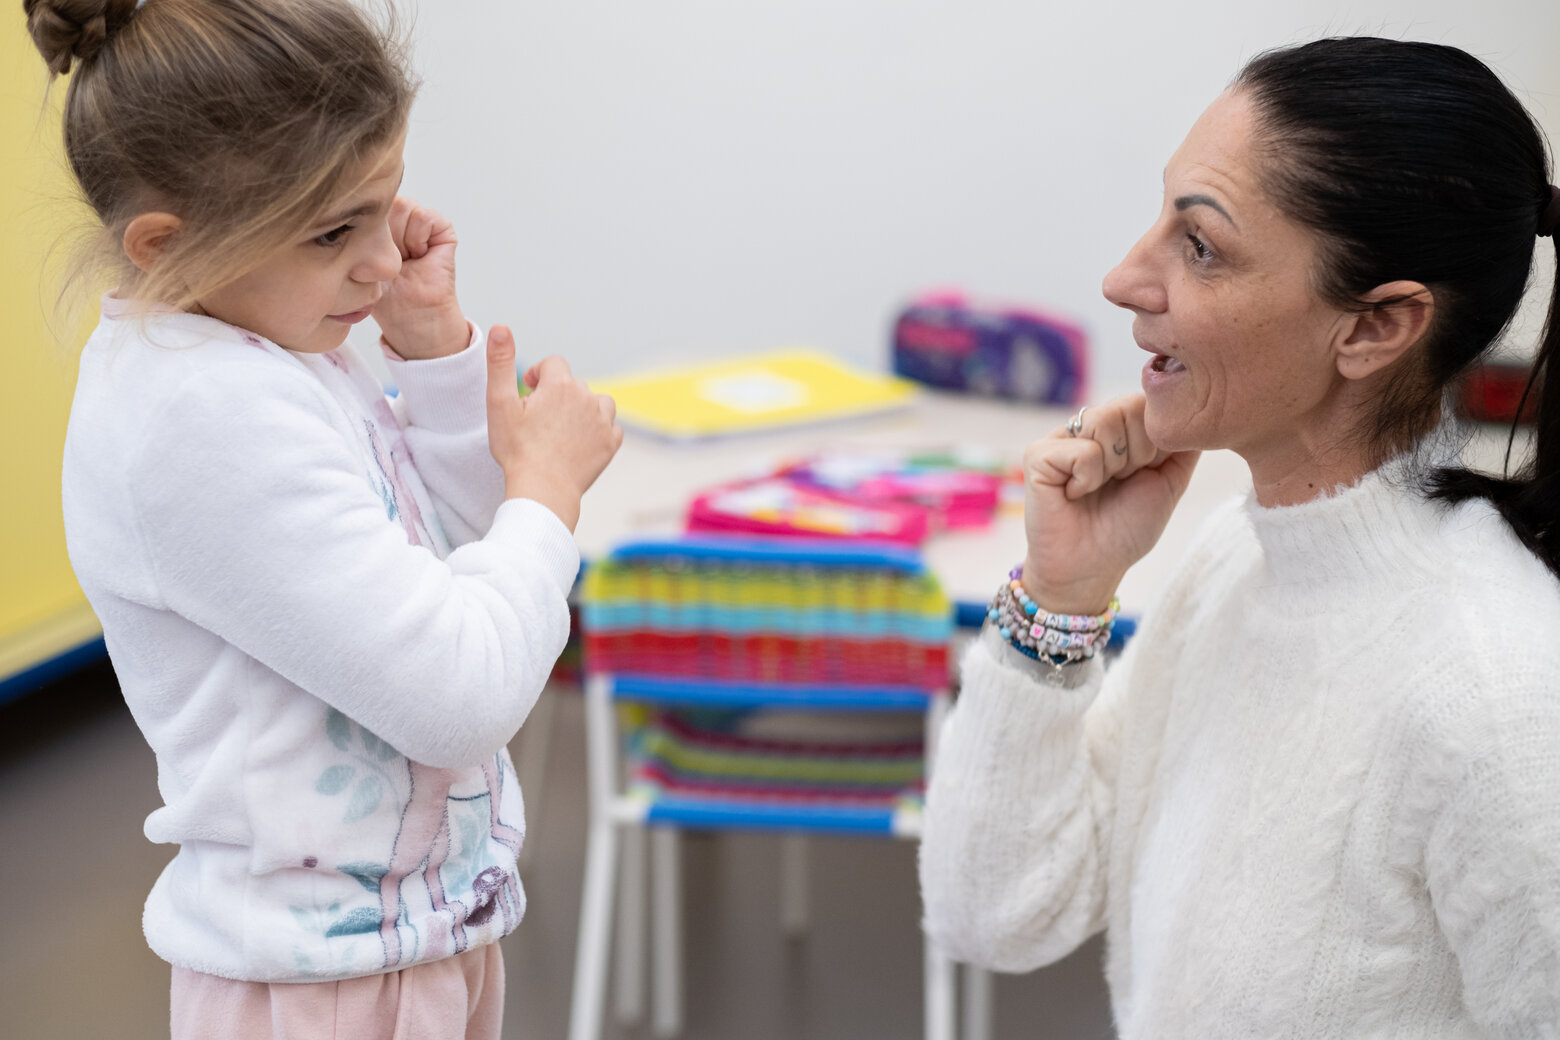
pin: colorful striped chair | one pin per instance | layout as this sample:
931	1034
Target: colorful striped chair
694	648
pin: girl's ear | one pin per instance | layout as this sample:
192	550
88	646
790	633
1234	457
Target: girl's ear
1400	314
147	235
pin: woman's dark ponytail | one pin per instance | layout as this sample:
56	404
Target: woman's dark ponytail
1529	498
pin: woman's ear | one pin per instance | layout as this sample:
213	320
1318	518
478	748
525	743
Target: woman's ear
147	236
1399	316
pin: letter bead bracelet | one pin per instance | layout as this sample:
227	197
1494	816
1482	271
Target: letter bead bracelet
1056	639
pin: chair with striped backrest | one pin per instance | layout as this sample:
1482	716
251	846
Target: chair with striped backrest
694	646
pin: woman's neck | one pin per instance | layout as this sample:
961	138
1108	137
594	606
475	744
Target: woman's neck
1307	466
1291	485
1324	451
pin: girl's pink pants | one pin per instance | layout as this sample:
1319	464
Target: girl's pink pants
458	998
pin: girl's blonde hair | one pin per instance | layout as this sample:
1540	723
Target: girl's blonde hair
239	117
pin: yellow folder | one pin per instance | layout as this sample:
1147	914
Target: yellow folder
764	391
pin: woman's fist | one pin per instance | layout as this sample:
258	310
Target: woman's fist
1095	503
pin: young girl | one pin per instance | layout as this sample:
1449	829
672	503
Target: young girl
328	612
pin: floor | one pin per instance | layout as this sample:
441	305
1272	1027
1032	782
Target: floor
76	782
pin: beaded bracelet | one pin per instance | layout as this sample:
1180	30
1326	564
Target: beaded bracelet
1013	609
1058	639
1065	622
1019	631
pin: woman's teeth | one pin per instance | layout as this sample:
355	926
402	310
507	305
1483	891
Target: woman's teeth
1166	363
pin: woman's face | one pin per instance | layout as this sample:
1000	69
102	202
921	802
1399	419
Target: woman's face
1220	290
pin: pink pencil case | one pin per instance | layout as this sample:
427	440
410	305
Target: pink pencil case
777	506
952	499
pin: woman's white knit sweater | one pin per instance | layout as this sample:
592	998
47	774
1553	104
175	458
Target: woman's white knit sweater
1319	796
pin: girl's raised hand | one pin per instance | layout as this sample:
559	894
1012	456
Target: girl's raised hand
419	314
553	443
1096	503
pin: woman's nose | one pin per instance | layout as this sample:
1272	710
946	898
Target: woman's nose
1136	283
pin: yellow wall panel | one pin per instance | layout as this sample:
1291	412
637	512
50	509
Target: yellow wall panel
42	610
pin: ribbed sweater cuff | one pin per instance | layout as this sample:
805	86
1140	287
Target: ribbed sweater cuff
1068	677
1007	688
1009	731
448	393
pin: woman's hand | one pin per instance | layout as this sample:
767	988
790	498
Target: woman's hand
418	314
1094	504
553	443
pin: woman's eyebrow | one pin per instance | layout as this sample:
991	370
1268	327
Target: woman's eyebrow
1188	201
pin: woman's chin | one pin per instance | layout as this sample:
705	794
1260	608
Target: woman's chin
1166	431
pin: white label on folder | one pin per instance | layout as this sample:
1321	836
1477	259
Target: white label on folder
753	392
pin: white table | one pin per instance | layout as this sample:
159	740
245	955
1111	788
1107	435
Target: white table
647	488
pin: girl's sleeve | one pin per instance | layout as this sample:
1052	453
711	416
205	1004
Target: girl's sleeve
261	527
1492	861
1019	808
441	404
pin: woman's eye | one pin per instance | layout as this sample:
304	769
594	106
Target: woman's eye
333	237
1199	252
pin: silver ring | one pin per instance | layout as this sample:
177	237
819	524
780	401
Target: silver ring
1075	424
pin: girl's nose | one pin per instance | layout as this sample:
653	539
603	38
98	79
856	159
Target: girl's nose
1136	283
382	261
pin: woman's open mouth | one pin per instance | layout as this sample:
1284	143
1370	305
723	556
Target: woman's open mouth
1165	363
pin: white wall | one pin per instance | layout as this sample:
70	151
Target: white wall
644	182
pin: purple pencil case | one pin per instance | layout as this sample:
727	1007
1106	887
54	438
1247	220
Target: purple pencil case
944	340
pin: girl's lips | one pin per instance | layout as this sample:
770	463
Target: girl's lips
354	317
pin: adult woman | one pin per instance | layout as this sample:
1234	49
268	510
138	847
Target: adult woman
1320	794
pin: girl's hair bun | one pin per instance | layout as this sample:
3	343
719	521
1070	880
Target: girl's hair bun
64	30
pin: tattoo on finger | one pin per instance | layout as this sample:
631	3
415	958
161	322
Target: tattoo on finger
1119	448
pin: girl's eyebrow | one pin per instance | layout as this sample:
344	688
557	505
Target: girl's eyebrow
362	208
1188	201
356	211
